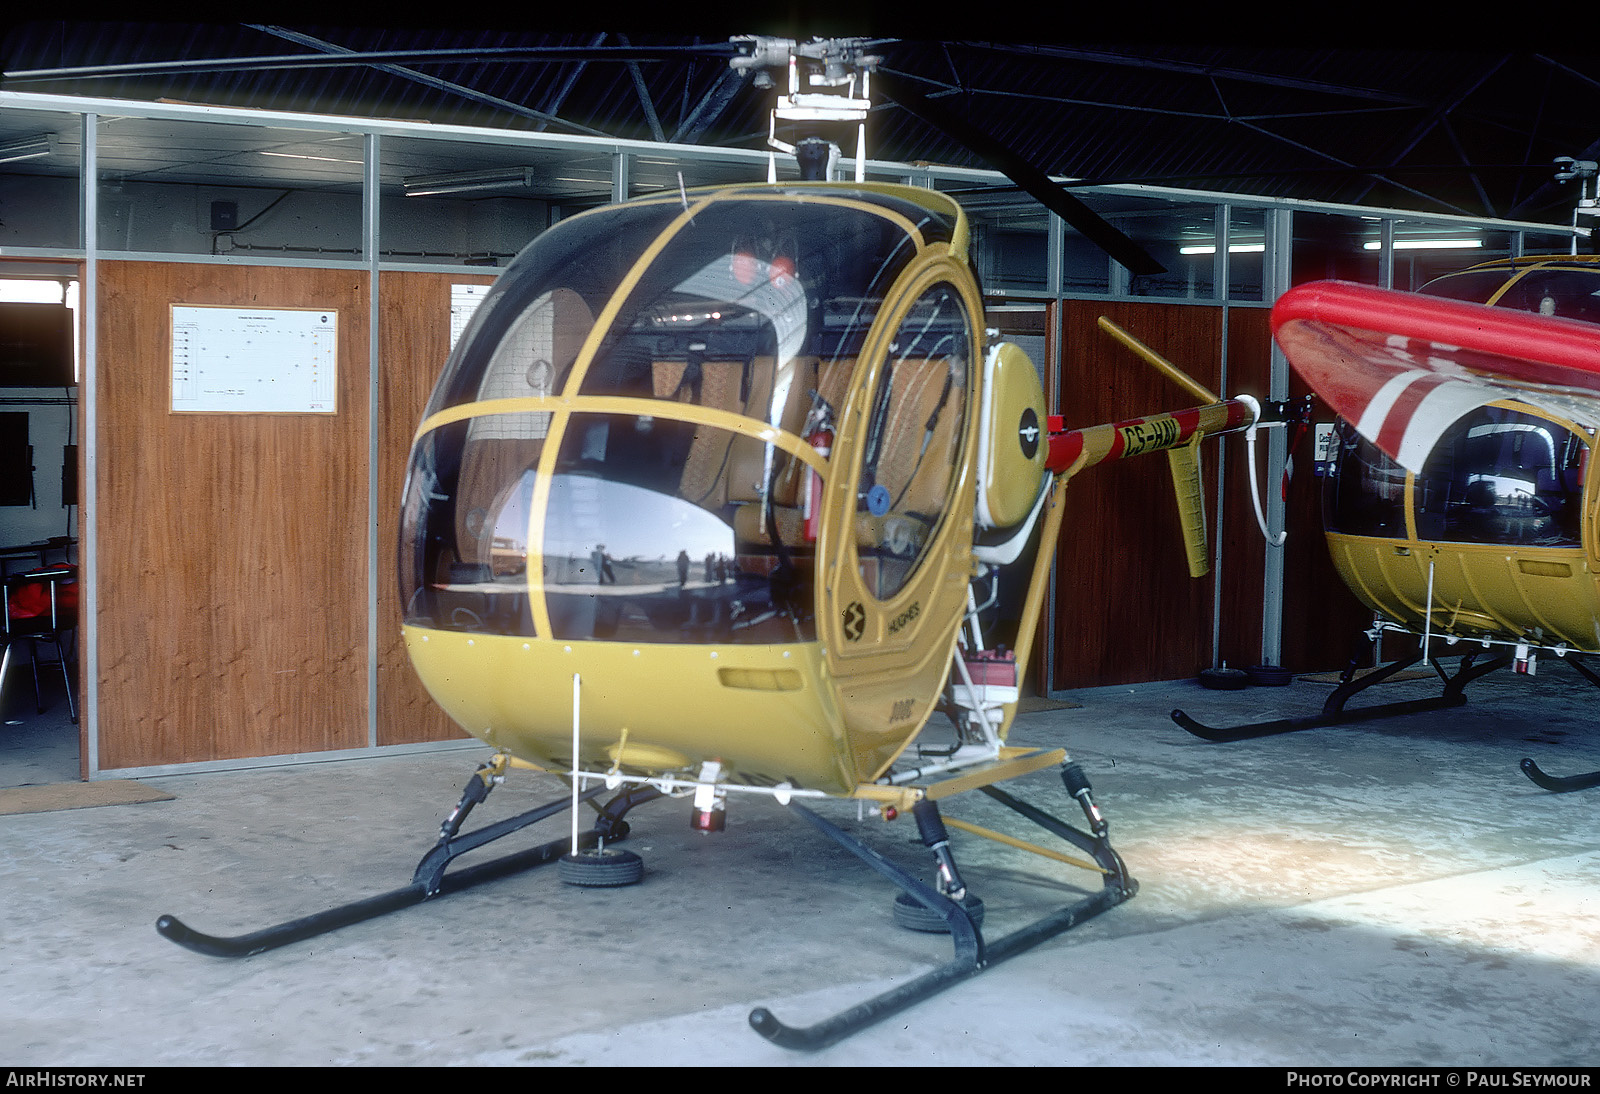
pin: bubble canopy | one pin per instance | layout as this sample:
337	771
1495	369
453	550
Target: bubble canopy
619	444
1499	475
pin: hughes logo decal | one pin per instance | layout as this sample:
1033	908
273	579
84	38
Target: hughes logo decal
904	617
855	620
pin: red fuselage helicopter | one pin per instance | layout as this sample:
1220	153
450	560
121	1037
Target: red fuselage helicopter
1461	503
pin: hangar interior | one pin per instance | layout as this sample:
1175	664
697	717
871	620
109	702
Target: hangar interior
330	212
240	620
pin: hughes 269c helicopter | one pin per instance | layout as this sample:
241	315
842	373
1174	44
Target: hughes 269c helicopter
714	497
1461	502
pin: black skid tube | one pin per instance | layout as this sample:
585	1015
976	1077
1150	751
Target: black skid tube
1563	784
972	954
1222	735
834	1029
1334	713
427	883
1559	784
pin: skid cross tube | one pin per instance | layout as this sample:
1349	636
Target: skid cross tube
427	882
972	954
1333	712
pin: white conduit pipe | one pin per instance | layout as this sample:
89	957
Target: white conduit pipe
1255	491
1427	620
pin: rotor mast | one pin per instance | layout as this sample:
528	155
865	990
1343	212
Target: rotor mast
838	72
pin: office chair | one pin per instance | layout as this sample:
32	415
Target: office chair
41	606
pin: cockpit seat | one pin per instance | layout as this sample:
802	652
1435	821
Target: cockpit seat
810	381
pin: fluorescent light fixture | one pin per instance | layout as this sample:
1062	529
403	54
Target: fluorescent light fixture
303	156
1211	248
32	291
471	182
1429	244
25	150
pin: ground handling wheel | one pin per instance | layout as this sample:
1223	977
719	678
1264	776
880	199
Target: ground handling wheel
600	869
911	914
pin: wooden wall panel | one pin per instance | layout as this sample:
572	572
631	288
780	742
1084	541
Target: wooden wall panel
1322	619
1126	609
1244	551
231	560
414	342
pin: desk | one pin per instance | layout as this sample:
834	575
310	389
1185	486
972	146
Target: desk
34	553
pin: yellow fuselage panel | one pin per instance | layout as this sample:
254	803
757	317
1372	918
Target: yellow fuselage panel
765	712
882	710
1545	595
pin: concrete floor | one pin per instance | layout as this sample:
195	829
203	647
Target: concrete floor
1395	893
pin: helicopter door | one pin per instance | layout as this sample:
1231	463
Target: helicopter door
897	526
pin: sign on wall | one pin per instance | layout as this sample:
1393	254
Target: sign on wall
254	360
464	300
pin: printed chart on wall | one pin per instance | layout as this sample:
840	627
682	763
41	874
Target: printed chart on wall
254	360
464	300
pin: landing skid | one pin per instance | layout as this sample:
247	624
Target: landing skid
1562	784
1350	685
1559	784
948	901
429	881
972	954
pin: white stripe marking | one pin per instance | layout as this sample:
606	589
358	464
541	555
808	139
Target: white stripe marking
1383	400
1439	410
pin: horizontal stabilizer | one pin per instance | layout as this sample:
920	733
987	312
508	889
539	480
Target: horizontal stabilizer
1185	464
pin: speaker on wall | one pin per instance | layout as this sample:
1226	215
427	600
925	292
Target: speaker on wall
16	459
69	475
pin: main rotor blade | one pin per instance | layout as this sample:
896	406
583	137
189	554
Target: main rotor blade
461	55
1016	167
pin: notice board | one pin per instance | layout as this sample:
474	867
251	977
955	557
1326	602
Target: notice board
464	301
254	360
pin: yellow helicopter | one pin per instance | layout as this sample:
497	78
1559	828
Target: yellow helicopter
714	498
1460	502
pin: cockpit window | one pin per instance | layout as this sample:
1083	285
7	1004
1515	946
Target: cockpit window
1473	286
754	307
1503	476
913	442
651	536
524	337
1495	476
1364	491
1564	292
464	539
660	524
1570	294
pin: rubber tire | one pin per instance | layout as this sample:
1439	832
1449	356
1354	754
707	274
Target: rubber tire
913	915
1270	676
606	869
1224	679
